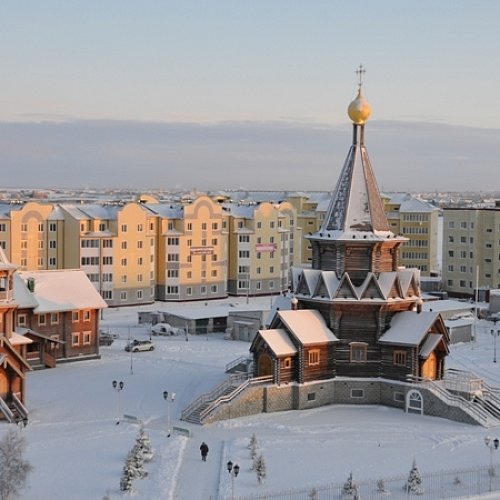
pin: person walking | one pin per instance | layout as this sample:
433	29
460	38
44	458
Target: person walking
204	451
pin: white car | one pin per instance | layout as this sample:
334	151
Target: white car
140	345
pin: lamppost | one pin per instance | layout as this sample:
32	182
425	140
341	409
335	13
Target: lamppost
233	470
495	333
492	444
117	386
169	401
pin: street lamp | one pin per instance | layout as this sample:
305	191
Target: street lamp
492	444
167	399
494	333
233	470
117	386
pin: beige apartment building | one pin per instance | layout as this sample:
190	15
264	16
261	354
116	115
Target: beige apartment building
115	245
416	220
310	213
31	235
138	252
264	242
471	249
191	250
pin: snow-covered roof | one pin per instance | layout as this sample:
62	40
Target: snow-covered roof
63	290
279	342
447	305
409	328
17	339
430	344
308	326
23	297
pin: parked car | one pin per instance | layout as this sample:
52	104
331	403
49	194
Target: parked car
105	338
140	345
166	329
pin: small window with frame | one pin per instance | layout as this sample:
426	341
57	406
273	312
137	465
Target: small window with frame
75	316
399	358
313	357
287	363
358	352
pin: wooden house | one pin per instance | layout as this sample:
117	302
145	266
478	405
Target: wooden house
59	311
298	347
13	363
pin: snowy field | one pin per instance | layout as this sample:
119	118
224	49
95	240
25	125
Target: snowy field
78	451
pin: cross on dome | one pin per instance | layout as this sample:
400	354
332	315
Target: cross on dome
360	72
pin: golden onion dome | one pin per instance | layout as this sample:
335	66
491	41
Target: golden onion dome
359	110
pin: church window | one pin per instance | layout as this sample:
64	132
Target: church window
359	352
313	357
399	358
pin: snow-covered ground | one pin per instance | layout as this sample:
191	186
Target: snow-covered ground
78	451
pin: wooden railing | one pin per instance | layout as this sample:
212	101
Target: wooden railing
4	408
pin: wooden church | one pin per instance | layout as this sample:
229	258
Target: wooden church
356	313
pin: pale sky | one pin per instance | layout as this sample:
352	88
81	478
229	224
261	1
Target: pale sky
186	67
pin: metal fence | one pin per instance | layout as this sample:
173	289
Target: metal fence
454	484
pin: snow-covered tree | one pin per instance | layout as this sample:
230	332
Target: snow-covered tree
381	486
144	443
253	447
260	469
14	469
350	489
413	484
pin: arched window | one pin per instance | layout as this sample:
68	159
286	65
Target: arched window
414	402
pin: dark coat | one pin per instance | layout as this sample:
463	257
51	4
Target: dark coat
204	449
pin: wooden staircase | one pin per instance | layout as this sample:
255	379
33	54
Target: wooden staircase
13	410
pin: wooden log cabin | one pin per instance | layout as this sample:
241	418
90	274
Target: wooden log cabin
13	363
366	305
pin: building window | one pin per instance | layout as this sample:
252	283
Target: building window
287	363
203	290
21	320
204	226
86	338
214	273
124	245
173	273
244	238
399	358
271	285
139	228
357	393
75	339
75	316
189	275
313	357
124	228
52	226
172	290
139	294
107	261
189	291
54	318
244	254
123	278
311	396
359	352
86	315
52	262
124	262
107	243
214	289
189	226
123	296
107	294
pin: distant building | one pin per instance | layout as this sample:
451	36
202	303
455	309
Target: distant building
417	221
471	250
264	242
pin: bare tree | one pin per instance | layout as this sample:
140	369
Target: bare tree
14	469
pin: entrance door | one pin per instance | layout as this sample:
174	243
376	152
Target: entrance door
265	367
429	367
